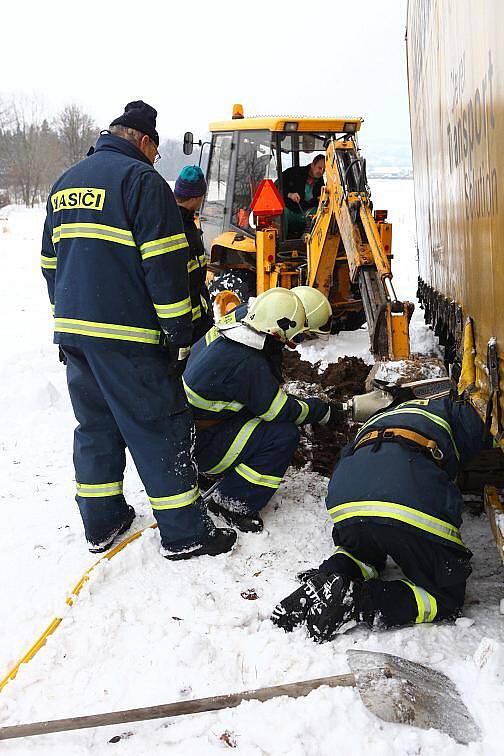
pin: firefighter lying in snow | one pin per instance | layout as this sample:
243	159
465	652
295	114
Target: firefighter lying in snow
393	494
247	426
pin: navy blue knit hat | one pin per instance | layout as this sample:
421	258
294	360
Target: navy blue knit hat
190	182
140	116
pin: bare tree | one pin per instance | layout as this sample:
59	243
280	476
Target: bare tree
77	132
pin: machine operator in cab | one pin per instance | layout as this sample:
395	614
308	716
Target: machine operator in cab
301	187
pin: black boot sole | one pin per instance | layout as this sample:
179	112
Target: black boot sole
125	526
244	523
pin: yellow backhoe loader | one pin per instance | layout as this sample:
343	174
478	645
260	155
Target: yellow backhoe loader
345	250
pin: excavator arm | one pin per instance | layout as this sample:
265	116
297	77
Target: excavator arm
345	243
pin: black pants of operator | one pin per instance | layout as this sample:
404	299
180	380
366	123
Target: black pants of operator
429	566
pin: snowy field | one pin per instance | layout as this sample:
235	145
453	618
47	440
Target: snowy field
145	631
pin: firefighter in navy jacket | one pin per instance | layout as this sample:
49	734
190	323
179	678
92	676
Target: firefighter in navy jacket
393	493
247	426
190	190
114	256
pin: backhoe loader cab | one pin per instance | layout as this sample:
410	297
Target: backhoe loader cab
345	250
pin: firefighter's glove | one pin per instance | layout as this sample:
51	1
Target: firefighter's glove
335	611
178	358
293	610
62	356
336	416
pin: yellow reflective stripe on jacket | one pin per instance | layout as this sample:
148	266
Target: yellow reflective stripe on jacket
99	490
49	263
257	478
175	502
204	303
173	310
106	330
275	406
196	312
93	231
236	447
162	246
304	412
212	334
53	308
367	570
415	411
216	405
426	603
397	512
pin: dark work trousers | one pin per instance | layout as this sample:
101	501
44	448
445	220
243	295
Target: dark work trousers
131	399
252	476
429	565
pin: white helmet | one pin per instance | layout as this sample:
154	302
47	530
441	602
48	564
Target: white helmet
278	312
317	308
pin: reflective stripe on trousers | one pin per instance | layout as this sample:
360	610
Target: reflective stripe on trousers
174	502
257	478
236	447
367	570
99	490
399	512
426	603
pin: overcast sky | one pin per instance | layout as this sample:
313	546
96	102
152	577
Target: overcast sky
192	61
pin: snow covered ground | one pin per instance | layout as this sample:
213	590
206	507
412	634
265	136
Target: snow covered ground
145	631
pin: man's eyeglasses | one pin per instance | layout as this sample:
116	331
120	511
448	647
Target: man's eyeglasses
158	156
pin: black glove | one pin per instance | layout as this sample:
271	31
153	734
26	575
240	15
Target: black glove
338	414
178	357
293	610
62	356
335	611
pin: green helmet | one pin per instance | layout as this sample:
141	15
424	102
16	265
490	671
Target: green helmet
278	312
317	308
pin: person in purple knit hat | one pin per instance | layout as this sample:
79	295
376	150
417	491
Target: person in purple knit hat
190	189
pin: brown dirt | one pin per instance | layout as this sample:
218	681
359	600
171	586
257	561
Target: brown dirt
320	446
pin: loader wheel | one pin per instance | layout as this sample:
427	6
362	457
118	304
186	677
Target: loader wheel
229	289
350	321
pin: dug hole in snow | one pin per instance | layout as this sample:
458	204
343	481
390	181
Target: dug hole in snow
146	631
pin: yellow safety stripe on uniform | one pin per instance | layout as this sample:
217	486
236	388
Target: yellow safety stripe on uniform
326	418
52	308
99	490
192	265
304	412
49	263
93	231
270	481
426	603
367	570
174	310
210	405
204	303
196	312
212	334
236	447
399	512
106	330
415	411
275	406
196	263
162	246
175	502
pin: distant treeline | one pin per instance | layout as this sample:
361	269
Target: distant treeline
35	149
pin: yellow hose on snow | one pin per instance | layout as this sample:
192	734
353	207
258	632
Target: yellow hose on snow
69	600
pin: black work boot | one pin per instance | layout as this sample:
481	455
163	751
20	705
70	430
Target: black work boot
247	523
107	541
335	610
220	542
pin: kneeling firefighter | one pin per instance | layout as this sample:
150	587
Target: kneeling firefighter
247	426
393	493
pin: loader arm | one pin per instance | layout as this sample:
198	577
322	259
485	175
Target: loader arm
344	227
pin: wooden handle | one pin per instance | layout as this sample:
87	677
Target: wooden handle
194	706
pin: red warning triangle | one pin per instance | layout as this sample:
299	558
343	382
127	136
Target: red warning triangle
267	200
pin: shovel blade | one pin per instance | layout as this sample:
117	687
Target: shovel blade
404	692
